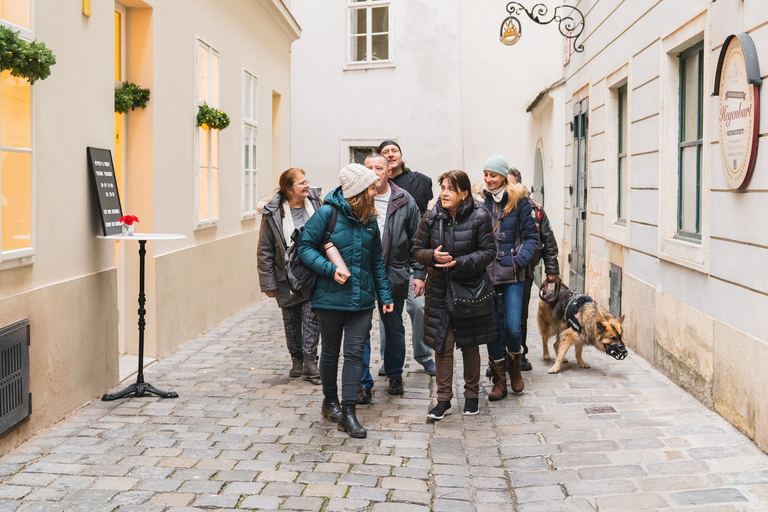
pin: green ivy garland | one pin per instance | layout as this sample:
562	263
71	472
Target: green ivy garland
31	61
212	117
129	97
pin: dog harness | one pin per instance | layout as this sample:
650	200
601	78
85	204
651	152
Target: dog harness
574	306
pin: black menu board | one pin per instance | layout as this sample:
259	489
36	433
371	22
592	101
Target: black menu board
103	172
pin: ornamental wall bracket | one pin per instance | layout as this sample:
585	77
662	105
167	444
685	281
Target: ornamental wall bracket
570	22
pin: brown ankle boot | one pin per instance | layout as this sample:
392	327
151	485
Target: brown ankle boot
499	378
515	377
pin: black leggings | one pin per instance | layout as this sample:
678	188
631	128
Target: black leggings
355	327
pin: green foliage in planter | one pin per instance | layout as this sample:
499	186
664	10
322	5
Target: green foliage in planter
212	117
31	61
129	97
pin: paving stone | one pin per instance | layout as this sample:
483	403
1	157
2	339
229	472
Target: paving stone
705	496
544	493
261	502
346	505
216	501
368	493
297	503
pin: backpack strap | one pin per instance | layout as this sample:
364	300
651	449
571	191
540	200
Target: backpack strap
331	225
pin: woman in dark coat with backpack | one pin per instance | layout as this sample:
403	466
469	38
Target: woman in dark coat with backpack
288	209
516	239
344	300
462	251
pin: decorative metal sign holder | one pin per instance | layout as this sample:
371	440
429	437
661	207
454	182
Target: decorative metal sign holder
571	25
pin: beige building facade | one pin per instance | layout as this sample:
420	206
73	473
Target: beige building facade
78	292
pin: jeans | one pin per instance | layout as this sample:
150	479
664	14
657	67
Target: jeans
524	315
507	313
302	330
355	327
394	355
414	306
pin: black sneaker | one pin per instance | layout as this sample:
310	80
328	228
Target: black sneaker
439	411
382	372
525	364
396	386
470	407
364	395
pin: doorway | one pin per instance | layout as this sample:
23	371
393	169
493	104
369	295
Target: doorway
578	256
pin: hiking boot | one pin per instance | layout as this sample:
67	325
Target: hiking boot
471	407
297	368
364	395
311	372
429	367
396	386
499	378
348	423
439	411
331	409
525	364
513	367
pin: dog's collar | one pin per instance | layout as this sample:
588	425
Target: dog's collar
575	304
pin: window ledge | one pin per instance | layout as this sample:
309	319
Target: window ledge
20	261
206	225
617	232
354	66
249	216
684	252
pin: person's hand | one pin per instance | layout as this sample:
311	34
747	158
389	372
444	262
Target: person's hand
553	278
270	293
417	287
450	264
340	277
442	257
387	308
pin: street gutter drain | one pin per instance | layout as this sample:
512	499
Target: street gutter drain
603	409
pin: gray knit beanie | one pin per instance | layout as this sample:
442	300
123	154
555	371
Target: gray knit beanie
355	178
497	164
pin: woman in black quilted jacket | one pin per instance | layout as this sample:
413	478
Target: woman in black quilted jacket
466	249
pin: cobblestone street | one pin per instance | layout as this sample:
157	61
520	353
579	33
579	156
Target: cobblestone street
242	435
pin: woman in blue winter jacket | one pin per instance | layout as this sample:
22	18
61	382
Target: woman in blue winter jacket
344	301
516	240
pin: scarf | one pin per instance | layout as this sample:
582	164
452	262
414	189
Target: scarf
288	226
497	193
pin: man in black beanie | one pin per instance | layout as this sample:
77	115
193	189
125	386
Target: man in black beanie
415	183
419	187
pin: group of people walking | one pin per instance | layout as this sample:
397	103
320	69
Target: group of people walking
461	268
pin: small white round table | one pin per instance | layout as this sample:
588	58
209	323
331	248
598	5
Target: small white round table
141	387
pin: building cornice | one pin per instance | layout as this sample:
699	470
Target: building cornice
282	17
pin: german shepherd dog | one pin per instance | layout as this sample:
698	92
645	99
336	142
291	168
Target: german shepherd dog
593	326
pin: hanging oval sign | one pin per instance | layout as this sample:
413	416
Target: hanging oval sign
738	109
511	31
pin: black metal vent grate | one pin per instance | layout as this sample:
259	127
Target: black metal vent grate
15	401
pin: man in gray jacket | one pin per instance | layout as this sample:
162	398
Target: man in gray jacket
398	223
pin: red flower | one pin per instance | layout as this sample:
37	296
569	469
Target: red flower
128	219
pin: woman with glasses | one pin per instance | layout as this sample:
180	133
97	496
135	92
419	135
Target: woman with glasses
289	209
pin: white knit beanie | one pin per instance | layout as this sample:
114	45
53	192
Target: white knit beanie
355	178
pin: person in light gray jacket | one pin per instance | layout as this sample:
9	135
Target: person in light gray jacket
288	209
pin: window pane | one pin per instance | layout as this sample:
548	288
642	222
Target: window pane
254	141
214	134
380	19
254	100
623	119
215	79
203	82
622	188
15	111
202	142
380	47
358	51
247	147
247	96
247	192
17	12
16	209
689	192
202	193
691	98
254	191
214	192
358	21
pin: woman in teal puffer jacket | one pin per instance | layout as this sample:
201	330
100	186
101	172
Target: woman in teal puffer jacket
343	301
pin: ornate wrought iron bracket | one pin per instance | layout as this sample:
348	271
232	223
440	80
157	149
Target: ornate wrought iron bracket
570	23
